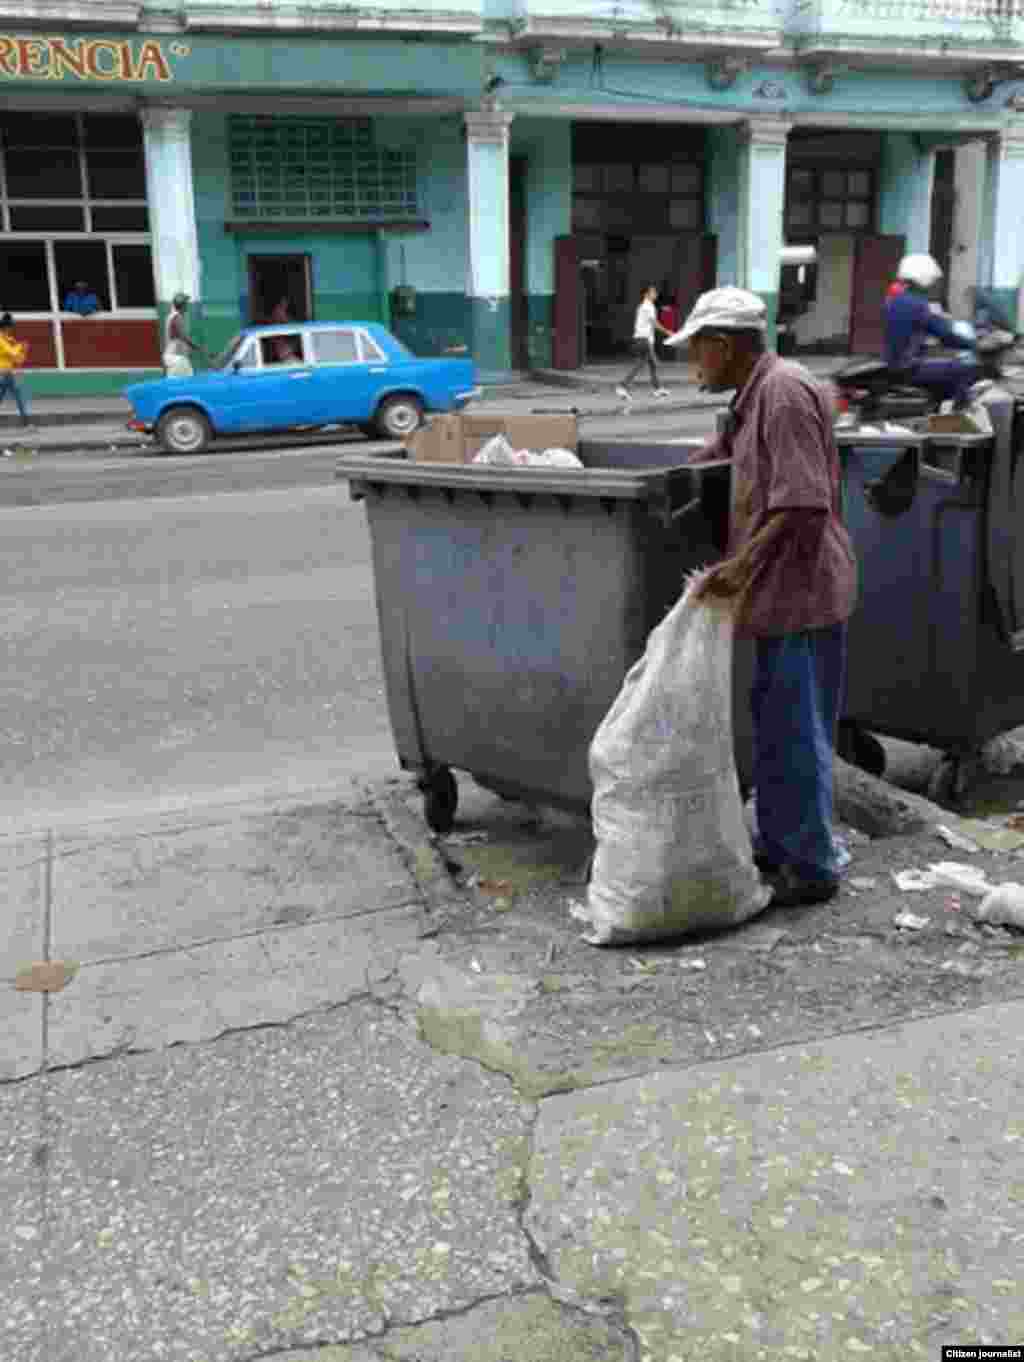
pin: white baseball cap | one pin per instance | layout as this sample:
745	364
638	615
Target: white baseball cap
723	309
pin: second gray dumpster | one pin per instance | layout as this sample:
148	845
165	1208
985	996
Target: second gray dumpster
512	603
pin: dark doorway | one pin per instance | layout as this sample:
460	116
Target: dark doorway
943	209
517	261
280	284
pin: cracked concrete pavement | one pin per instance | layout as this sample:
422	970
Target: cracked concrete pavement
322	1088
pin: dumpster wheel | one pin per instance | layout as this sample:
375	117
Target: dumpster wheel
440	798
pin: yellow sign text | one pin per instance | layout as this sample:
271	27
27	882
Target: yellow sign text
106	59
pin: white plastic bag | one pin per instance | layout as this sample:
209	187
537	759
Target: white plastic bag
498	451
673	853
556	458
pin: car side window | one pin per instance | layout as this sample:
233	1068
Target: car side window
282	349
334	347
371	351
247	357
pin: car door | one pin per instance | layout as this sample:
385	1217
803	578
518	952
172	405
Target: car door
345	386
272	389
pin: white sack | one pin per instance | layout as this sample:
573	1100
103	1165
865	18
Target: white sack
498	451
673	852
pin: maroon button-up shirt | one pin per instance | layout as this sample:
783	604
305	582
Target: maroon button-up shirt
784	458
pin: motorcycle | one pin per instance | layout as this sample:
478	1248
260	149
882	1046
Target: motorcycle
867	390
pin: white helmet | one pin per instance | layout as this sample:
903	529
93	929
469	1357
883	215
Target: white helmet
920	270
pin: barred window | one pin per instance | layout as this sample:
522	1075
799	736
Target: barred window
299	168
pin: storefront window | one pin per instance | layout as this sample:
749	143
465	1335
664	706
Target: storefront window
644	198
73	208
74	182
24	280
85	260
133	276
829	200
89	171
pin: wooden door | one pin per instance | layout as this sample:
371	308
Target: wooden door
875	262
566	339
695	268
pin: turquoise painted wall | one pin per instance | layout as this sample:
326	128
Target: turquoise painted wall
433	262
722	187
905	190
347	270
547	145
629	82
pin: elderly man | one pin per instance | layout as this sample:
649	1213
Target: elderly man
791	570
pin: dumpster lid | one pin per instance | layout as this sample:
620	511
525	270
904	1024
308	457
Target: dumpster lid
656	484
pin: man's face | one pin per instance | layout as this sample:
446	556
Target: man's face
715	358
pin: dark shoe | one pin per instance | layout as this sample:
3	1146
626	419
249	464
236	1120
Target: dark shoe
790	890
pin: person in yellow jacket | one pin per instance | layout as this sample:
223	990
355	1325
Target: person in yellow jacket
13	354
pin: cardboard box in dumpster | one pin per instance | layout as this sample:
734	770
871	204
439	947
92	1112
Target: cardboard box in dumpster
954	423
457	438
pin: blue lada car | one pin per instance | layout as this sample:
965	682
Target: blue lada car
306	374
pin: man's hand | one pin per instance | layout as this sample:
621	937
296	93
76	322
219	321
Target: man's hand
729	578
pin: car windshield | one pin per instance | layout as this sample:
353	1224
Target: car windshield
228	353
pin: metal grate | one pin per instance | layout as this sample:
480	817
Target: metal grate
317	168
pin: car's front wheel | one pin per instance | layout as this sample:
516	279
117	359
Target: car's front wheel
399	416
184	430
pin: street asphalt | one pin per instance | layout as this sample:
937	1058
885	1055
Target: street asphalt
291	1078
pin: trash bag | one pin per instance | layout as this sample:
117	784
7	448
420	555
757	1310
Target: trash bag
673	852
498	452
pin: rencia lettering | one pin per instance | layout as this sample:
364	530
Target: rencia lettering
23	58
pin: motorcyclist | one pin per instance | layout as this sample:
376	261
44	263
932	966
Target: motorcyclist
910	320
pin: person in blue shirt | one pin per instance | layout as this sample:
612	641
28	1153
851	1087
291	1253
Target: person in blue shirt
82	300
909	321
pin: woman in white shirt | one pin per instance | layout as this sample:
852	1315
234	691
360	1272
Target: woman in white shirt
644	327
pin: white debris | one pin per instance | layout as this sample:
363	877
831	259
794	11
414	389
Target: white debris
909	922
967	878
862	882
692	962
913	881
1004	906
956	840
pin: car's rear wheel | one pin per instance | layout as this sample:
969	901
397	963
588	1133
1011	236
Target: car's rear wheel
184	430
399	416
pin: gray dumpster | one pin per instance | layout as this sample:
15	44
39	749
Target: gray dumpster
513	601
936	649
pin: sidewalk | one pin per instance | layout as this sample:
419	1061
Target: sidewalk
304	1096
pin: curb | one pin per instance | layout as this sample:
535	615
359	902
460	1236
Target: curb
418	847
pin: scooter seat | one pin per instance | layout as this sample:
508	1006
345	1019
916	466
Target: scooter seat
861	371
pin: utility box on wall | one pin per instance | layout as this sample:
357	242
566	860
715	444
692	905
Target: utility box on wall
403	300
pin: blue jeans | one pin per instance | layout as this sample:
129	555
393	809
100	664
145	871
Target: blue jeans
945	378
9	384
796	700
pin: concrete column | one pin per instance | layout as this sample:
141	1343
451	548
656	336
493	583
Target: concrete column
762	197
172	210
905	194
965	259
1002	262
487	284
